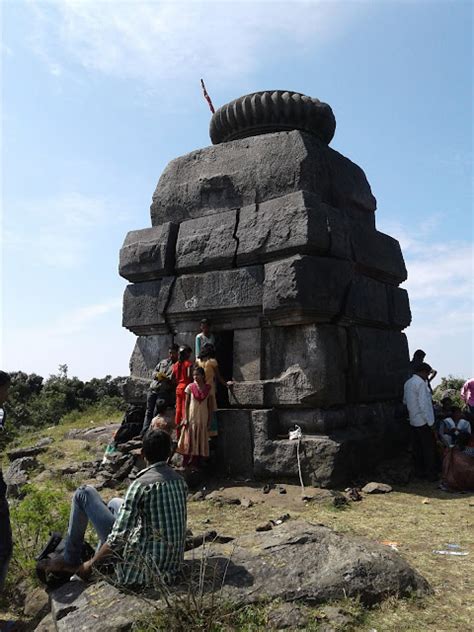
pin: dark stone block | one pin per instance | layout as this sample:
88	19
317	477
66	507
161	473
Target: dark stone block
235	442
296	223
242	172
305	289
148	351
400	313
135	389
233	292
378	255
148	253
144	306
306	365
206	242
367	302
379	364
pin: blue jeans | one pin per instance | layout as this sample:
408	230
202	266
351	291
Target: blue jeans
88	505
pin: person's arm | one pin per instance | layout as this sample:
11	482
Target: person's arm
197	345
219	377
188	404
464	389
432	375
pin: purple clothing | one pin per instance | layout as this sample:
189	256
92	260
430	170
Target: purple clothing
467	392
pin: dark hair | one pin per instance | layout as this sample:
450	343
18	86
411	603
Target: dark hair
200	370
423	367
207	351
446	400
419	353
184	353
156	445
205	321
456	409
173	347
4	378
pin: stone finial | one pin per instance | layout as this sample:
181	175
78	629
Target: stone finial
272	111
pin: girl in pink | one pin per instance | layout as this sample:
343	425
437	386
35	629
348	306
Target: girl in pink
193	442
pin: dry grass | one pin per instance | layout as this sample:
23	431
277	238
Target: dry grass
401	516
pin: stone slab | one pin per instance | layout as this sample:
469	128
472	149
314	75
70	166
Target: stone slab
77	607
247	354
235	443
400	313
305	289
378	255
297	223
231	292
148	253
253	170
318	353
367	302
207	243
379	364
144	306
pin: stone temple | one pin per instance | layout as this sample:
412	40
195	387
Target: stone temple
271	234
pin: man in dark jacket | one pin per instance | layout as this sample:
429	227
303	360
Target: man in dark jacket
161	392
6	544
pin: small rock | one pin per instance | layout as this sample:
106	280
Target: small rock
335	619
217	498
68	470
352	493
16	476
281	489
425	501
46	624
44	442
265	527
287	615
376	488
246	502
281	519
36	601
19	453
199	495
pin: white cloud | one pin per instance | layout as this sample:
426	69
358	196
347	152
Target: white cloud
56	231
154	40
439	285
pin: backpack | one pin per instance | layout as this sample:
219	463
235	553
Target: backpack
53	548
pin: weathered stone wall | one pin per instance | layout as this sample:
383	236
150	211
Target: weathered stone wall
273	237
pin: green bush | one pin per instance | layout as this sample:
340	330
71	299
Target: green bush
33	518
450	387
36	402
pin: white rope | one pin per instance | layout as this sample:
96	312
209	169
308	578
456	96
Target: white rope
297	435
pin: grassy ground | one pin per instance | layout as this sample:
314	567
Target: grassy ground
419	518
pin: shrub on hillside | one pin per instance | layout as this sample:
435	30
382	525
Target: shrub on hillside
36	402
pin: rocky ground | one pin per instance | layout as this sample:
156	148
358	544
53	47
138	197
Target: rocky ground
279	545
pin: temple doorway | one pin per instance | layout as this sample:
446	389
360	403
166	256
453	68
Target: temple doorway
225	358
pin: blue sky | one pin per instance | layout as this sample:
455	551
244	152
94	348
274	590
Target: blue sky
99	96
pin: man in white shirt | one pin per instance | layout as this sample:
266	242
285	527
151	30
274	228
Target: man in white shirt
417	398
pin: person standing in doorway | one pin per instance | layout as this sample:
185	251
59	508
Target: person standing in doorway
6	542
417	397
205	337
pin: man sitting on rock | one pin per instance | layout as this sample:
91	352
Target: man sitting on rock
146	538
161	393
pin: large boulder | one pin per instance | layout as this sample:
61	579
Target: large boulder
294	562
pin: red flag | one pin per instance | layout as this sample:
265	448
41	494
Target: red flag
207	97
